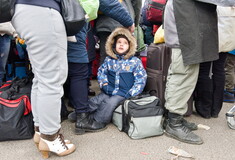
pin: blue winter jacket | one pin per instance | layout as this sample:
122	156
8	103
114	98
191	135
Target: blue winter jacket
125	74
77	52
125	77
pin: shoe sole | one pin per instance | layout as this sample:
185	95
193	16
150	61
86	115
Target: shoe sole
185	141
82	131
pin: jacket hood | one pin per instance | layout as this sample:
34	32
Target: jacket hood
111	40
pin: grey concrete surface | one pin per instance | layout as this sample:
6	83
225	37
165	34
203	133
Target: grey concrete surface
111	144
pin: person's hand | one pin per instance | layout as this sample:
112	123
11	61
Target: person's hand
132	28
105	84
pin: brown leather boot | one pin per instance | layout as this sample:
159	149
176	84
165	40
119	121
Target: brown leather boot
54	143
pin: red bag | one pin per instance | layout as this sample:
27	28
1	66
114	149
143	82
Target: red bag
155	11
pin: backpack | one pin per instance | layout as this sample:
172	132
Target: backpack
155	11
139	117
6	10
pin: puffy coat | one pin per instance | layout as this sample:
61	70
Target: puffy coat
125	75
106	23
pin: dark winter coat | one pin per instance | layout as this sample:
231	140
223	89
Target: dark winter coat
196	30
106	23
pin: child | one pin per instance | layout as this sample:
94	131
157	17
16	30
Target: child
121	76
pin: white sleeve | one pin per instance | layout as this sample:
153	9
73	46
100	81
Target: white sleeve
225	3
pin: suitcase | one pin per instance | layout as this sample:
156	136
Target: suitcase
144	61
158	62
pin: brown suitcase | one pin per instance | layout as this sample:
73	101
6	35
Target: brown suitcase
158	62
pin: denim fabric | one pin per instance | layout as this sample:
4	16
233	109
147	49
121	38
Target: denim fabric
5	42
77	76
103	106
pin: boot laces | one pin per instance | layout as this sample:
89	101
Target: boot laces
185	129
61	138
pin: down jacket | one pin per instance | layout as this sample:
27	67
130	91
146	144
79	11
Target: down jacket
107	23
125	74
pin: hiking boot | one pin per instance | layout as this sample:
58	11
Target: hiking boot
229	97
54	143
189	125
177	130
85	123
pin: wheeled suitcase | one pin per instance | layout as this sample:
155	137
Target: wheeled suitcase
158	61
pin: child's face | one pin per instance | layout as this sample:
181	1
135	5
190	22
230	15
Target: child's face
122	45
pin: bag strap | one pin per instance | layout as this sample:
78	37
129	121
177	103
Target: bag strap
125	120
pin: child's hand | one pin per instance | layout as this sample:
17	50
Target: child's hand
105	84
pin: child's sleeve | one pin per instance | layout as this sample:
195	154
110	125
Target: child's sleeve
102	73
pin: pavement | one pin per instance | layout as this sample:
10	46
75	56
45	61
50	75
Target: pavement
111	144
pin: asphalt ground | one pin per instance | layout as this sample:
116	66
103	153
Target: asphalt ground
111	144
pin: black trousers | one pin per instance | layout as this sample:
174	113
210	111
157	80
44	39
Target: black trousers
209	91
78	86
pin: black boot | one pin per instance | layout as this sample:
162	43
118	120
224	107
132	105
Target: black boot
189	125
177	130
85	123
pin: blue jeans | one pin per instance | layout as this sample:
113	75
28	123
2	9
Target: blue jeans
5	42
103	106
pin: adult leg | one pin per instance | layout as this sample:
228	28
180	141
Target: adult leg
229	72
181	81
44	32
78	74
229	78
204	90
218	84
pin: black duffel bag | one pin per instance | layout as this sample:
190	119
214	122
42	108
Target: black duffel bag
16	120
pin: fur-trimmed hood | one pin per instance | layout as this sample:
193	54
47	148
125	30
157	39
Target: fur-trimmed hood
111	40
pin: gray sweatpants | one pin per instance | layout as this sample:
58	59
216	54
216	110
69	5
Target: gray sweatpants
45	35
181	81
